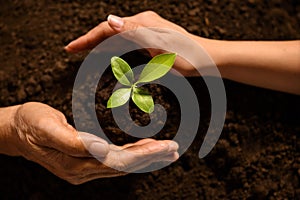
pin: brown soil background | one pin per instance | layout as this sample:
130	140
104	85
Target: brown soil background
257	156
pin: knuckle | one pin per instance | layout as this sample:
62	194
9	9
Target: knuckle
30	104
60	115
150	13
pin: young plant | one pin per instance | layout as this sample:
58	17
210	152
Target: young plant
157	67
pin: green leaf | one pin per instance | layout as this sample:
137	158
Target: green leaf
119	97
122	71
143	100
157	67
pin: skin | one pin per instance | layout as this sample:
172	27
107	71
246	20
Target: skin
273	64
41	134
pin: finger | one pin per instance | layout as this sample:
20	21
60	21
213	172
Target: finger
171	157
93	169
168	159
91	39
139	34
98	175
95	145
73	169
126	146
140	142
137	154
153	151
120	24
125	25
97	170
95	176
151	147
103	31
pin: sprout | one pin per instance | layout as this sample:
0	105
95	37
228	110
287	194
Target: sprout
157	67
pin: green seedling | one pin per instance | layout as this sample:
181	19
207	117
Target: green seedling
157	67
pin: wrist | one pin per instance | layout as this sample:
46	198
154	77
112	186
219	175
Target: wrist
215	49
8	134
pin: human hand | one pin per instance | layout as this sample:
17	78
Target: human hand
112	26
160	38
42	134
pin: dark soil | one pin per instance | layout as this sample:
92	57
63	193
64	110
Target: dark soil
257	156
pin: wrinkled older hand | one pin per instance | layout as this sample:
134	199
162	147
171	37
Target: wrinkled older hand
161	37
41	134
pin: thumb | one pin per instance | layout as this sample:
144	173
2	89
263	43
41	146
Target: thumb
120	25
96	146
139	34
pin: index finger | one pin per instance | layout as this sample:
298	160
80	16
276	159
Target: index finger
91	39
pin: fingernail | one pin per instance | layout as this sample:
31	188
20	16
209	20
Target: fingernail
176	156
95	145
173	146
115	21
98	149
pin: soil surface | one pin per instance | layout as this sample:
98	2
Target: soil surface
257	156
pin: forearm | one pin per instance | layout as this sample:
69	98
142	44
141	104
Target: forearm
7	132
273	65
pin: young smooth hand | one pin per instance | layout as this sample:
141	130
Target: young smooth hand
160	34
41	134
268	64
